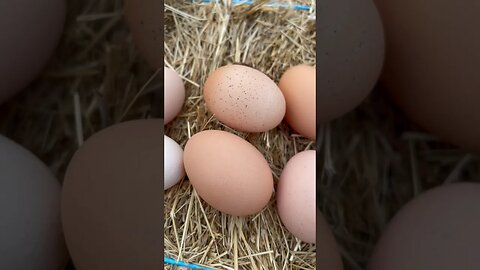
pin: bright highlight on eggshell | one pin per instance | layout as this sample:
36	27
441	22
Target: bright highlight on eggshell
111	199
30	31
174	94
144	19
298	87
31	233
350	55
296	196
228	172
244	98
173	158
437	230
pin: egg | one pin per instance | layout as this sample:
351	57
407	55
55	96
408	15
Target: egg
112	199
298	88
244	98
173	158
350	55
296	196
328	256
437	230
145	21
431	65
228	172
31	30
31	233
174	94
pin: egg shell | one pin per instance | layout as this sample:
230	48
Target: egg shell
30	30
298	88
350	55
437	230
145	21
31	233
328	256
244	98
296	196
112	201
174	170
228	172
174	94
432	63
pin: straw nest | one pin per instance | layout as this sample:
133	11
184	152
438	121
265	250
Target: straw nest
198	39
371	161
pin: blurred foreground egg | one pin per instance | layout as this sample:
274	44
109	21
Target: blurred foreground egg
350	53
111	200
296	196
173	158
174	94
30	228
244	98
298	87
228	172
437	230
30	31
432	65
327	248
145	21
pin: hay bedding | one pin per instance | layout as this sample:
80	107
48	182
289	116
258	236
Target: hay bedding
370	162
198	39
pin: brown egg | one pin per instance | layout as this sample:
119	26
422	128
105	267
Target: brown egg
432	64
326	247
30	31
437	230
350	55
298	87
144	19
112	199
228	172
244	98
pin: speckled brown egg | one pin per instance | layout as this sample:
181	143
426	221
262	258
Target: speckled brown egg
144	19
350	54
298	87
244	98
228	172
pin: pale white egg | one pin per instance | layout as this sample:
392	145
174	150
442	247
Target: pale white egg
174	170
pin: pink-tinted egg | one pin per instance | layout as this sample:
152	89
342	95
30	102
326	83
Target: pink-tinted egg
296	196
174	94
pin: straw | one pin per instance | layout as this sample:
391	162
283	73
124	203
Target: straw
184	264
272	4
